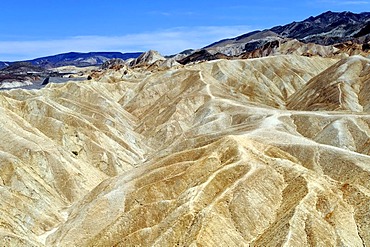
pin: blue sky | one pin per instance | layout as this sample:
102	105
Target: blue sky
34	28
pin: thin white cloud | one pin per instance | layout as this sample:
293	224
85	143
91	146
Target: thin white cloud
168	41
162	13
173	13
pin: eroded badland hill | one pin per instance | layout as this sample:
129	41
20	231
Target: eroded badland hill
261	152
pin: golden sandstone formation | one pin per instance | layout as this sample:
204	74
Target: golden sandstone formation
270	151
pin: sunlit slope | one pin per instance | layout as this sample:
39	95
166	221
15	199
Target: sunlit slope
344	86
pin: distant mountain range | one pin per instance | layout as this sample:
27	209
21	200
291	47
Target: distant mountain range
326	29
329	28
76	59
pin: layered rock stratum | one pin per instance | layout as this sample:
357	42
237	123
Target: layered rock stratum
270	151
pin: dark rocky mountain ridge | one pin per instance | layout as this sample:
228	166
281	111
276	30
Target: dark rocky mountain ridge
327	29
